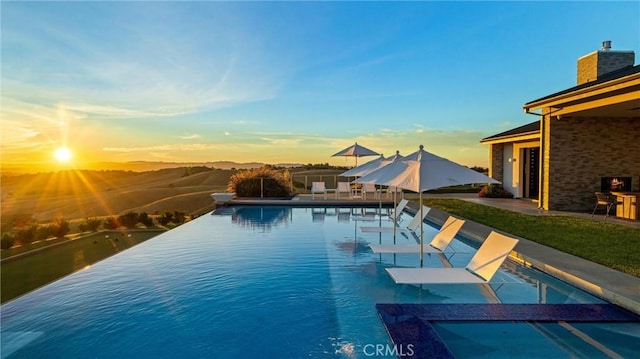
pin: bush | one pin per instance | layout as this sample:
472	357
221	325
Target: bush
145	219
91	224
7	241
27	234
260	182
60	227
178	217
129	220
494	191
111	223
44	232
165	218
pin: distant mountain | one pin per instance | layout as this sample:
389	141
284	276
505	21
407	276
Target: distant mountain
142	166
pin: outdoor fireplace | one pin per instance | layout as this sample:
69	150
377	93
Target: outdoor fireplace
615	184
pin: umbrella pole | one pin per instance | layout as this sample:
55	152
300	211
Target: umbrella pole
421	233
395	216
380	206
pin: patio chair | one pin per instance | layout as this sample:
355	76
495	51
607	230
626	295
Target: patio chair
605	200
482	267
438	244
411	227
369	188
318	187
343	187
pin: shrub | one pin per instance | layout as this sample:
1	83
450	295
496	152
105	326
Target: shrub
27	234
260	182
165	218
91	224
494	191
129	220
145	219
111	223
7	241
44	232
178	217
60	227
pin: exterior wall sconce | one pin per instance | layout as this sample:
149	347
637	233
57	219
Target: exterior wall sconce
511	159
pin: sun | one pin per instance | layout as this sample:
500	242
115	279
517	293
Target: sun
63	154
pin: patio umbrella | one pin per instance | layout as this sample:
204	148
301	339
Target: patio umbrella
371	166
356	151
424	171
364	168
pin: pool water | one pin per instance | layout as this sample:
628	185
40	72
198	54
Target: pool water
280	282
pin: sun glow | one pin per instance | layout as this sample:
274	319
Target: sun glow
63	154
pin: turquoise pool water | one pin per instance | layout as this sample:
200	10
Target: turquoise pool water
279	282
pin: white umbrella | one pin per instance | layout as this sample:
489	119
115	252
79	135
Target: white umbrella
365	168
356	151
371	166
424	171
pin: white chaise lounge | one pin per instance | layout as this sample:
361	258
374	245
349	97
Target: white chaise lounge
411	227
438	244
482	267
397	212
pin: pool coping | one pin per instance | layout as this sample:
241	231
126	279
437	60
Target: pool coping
603	282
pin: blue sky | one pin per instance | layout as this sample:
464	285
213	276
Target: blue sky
286	81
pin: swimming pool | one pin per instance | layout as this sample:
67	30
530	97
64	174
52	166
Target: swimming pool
279	282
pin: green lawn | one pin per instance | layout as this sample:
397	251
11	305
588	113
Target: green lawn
613	245
24	274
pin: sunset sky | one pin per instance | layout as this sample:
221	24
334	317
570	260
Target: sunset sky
284	81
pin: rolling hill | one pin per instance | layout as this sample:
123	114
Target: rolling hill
86	193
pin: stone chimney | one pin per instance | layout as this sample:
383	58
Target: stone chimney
601	62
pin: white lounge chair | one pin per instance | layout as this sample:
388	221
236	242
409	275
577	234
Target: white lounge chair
318	187
368	188
397	212
411	227
482	267
438	244
343	187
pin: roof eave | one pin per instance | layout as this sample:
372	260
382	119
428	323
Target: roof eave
527	136
582	93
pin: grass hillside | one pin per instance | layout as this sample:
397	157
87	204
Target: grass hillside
91	193
80	194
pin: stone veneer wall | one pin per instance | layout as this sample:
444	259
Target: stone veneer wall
580	151
598	63
496	157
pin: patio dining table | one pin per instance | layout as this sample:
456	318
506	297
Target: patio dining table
628	205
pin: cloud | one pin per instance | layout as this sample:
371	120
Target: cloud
283	141
189	137
173	148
